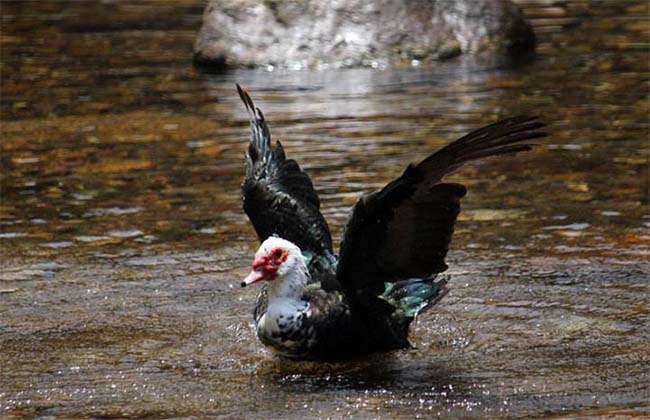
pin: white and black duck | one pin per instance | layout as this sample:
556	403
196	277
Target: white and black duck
314	304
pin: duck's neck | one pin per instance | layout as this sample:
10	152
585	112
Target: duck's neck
289	286
286	310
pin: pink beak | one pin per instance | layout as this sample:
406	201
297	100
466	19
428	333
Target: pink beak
254	276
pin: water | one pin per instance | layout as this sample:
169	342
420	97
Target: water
123	241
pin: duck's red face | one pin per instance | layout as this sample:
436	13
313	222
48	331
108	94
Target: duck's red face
266	265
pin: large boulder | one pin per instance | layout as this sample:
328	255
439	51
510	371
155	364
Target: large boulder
352	33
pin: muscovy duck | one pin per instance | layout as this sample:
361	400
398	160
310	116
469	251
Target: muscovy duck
315	305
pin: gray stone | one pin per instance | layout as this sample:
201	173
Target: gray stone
352	33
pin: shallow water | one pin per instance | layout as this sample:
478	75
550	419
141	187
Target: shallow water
123	240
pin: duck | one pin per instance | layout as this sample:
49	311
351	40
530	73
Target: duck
319	305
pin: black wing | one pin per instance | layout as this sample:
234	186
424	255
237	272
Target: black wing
404	230
279	198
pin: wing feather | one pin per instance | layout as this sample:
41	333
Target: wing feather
278	197
404	230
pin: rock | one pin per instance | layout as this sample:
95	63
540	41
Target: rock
352	33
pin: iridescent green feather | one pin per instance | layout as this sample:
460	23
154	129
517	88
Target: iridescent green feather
412	296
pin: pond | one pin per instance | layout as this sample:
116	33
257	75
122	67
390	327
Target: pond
123	240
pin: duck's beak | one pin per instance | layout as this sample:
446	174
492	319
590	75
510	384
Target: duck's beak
254	276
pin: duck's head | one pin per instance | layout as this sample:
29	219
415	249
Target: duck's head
276	258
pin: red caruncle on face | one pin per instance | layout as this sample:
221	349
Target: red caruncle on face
265	267
278	255
271	260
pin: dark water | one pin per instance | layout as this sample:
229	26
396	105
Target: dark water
123	240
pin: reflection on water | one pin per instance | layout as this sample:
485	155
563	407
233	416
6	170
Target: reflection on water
123	239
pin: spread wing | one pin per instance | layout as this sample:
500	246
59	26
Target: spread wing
404	230
278	197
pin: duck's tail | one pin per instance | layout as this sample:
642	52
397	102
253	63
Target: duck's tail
414	296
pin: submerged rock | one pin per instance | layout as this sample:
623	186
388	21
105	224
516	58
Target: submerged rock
352	33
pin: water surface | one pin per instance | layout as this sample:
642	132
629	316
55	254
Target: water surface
123	241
